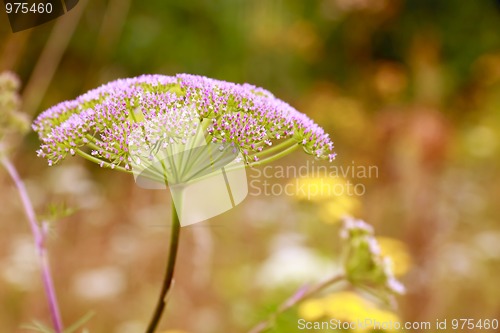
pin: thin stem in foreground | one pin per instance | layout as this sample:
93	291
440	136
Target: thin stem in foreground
169	273
39	236
297	298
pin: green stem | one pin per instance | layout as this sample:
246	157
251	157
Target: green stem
276	147
258	163
200	135
218	158
169	273
98	161
277	156
93	145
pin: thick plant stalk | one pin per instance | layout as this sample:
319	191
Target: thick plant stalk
169	272
39	236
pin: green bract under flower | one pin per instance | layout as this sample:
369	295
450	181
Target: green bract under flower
102	125
364	263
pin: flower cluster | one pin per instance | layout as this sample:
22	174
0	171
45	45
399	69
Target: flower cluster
104	120
12	121
364	263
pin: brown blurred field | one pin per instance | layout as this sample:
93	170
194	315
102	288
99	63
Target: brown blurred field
409	87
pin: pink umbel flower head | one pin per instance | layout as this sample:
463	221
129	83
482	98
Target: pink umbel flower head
99	124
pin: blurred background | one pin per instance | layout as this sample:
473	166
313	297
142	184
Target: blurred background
409	87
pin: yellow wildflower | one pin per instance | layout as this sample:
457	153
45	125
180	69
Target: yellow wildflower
398	253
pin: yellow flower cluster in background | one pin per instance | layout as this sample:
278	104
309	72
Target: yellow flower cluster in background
316	188
398	254
334	209
331	194
345	306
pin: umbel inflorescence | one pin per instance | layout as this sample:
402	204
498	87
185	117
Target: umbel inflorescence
103	124
12	121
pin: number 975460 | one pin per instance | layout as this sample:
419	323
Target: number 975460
25	8
473	324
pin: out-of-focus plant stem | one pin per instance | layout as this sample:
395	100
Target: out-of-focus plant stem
300	296
39	236
169	273
50	58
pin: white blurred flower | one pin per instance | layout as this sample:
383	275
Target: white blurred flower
20	268
488	243
100	283
131	326
74	180
292	262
